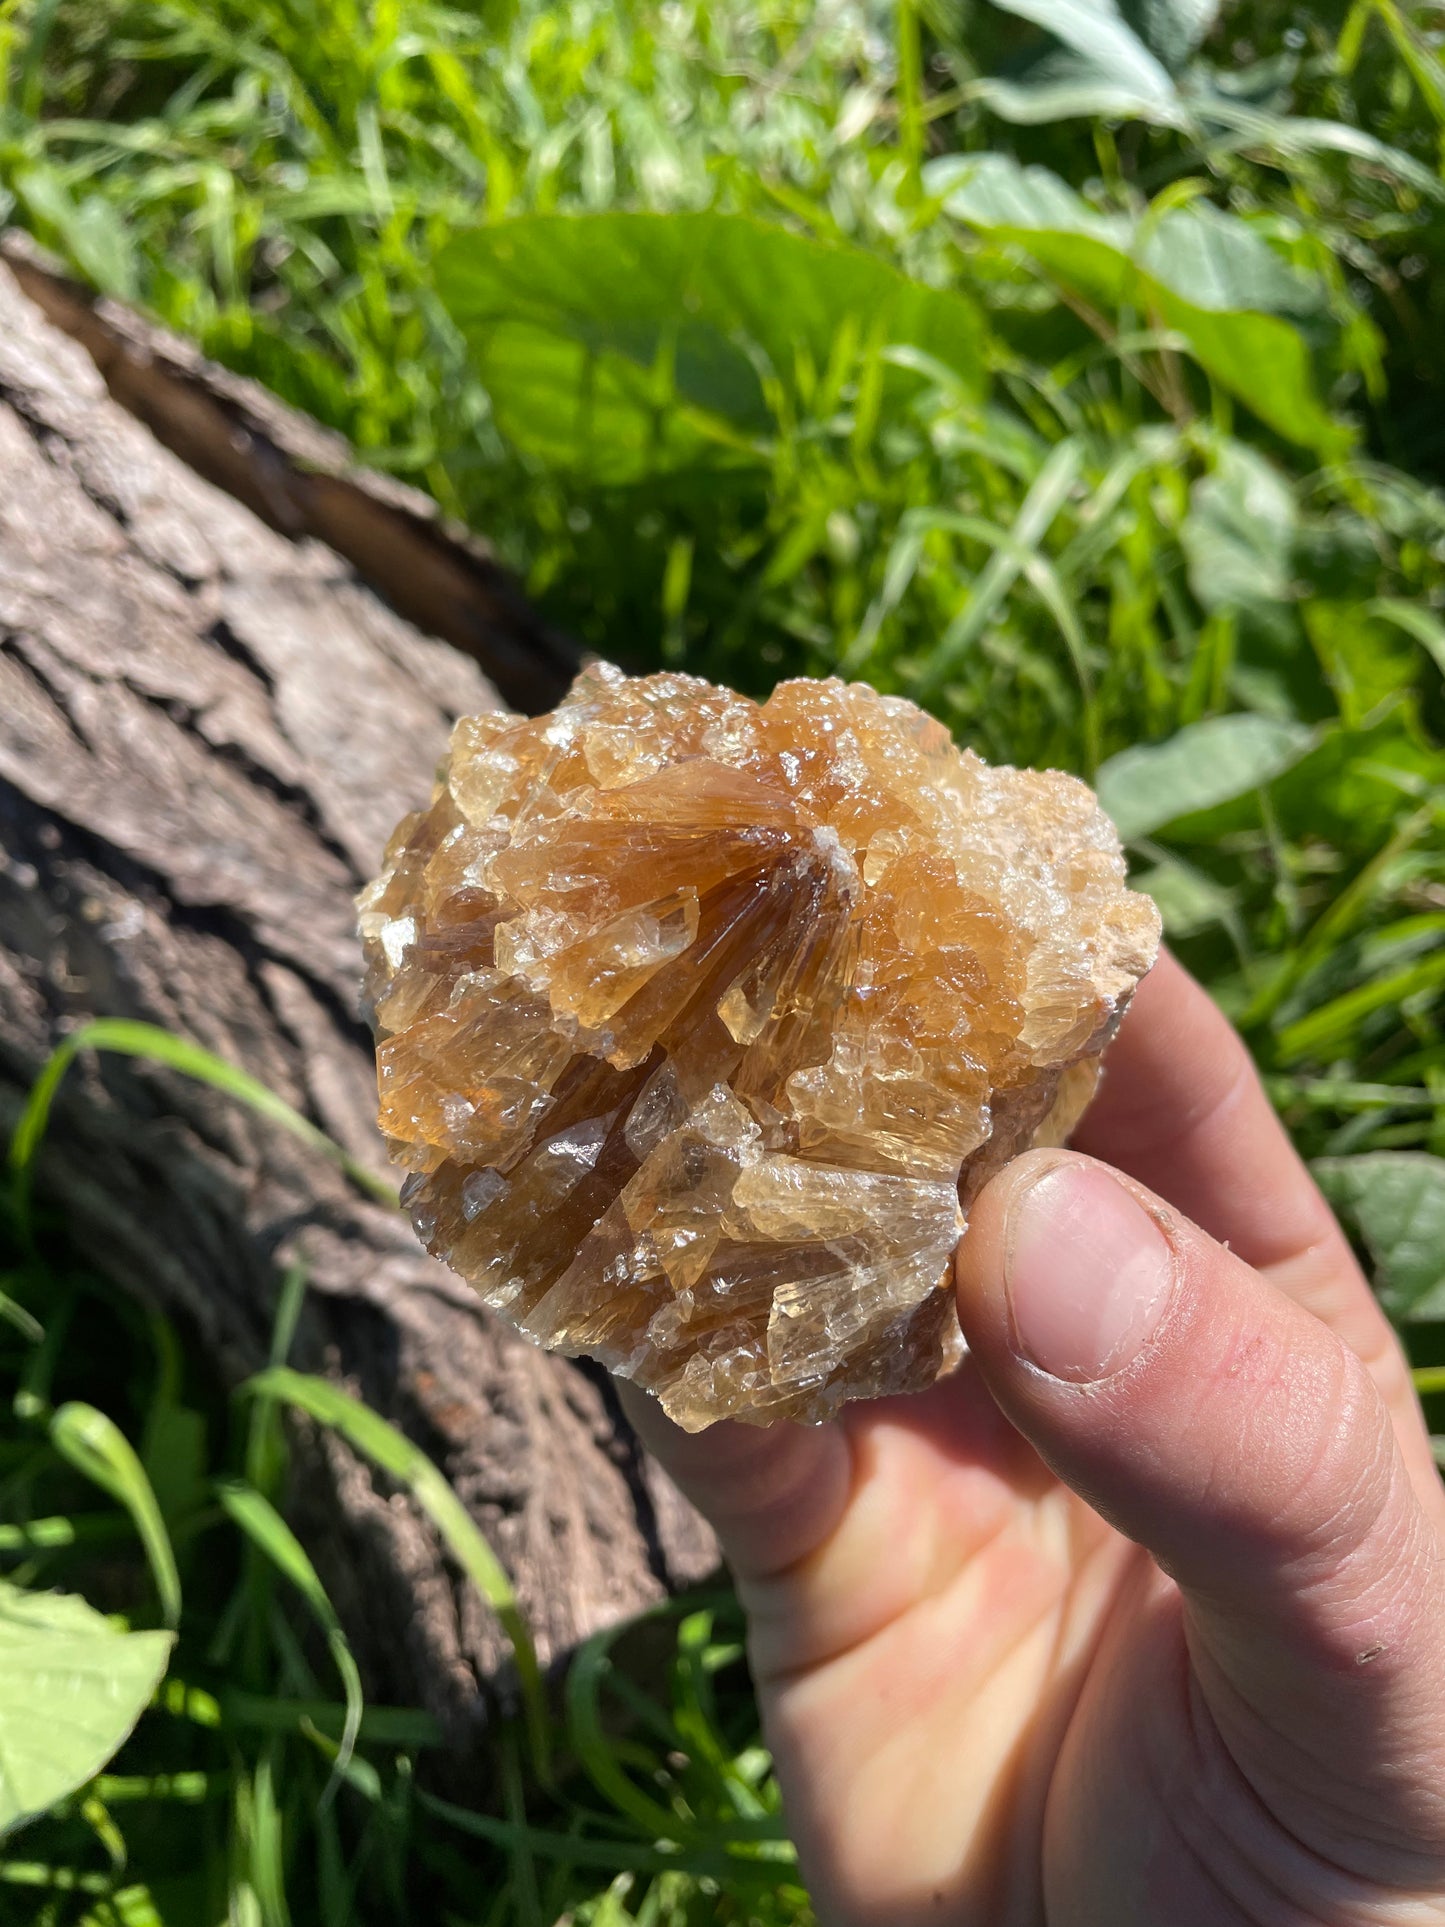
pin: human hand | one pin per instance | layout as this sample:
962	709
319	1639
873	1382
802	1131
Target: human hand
1139	1619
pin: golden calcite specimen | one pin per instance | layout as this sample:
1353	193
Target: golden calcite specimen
700	1022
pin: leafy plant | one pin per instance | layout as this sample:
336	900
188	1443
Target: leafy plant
1397	1199
322	1797
1071	367
72	1687
617	348
397	1456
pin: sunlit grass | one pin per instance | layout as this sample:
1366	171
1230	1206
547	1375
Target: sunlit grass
1105	546
250	1792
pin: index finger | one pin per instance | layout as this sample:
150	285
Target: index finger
1182	1110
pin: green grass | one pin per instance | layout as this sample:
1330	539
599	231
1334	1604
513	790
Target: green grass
259	1786
861	396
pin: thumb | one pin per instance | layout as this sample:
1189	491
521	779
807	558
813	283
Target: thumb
1217	1423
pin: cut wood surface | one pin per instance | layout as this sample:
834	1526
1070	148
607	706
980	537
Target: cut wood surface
207	729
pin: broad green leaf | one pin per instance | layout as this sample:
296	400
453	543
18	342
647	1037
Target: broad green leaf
1036	208
1396	1201
1296	136
71	1689
1216	262
1208	259
1190	901
1238	537
1355	785
619	346
1204	764
1139	42
1172	30
1098	33
1204	274
1064	87
1078	79
97	1448
1371	664
1421	623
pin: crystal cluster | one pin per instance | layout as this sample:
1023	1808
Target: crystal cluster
701	1021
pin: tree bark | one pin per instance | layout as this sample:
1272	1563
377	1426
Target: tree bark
207	730
302	480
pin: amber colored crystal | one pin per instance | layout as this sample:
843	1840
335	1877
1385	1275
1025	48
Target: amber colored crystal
701	1021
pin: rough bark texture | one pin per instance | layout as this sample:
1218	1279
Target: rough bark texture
302	480
206	731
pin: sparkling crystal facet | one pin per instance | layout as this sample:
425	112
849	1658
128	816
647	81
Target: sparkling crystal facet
701	1021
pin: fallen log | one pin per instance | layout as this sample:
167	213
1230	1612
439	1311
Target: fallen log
208	724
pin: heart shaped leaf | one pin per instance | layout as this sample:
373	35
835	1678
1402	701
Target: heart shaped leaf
71	1689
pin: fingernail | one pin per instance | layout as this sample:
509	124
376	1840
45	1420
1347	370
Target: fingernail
1087	1271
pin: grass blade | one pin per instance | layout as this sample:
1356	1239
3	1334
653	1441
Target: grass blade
97	1448
270	1534
259	1889
128	1038
390	1726
1051	489
608	1855
587	1732
19	1319
395	1454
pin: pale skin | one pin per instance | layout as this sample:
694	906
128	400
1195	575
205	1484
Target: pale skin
1154	1637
